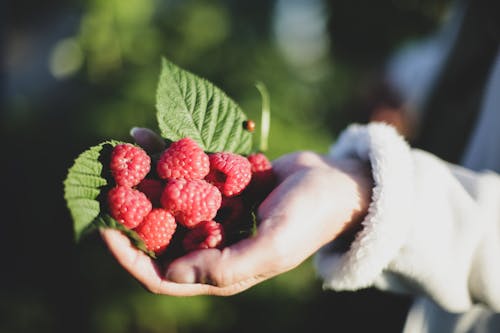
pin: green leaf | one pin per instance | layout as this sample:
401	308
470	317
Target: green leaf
83	185
189	106
87	179
106	221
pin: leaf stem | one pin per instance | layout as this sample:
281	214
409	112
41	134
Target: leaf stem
265	116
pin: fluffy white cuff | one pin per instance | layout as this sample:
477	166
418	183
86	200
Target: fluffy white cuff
385	228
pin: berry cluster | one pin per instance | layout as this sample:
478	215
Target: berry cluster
201	200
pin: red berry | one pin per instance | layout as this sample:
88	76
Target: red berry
230	172
263	177
191	201
259	162
128	206
157	229
129	164
206	235
183	159
152	188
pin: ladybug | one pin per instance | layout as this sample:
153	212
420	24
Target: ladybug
249	125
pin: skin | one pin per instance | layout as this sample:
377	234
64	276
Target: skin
317	200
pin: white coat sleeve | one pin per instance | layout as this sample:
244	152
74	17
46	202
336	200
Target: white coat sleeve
432	228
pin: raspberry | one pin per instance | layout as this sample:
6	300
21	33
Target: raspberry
152	188
128	206
206	235
191	201
259	162
230	172
230	211
183	159
129	164
263	177
157	229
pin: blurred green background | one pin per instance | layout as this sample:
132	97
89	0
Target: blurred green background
74	73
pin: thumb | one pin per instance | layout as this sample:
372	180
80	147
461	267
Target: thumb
147	139
234	268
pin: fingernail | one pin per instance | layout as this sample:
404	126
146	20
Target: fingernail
147	139
186	275
132	130
135	132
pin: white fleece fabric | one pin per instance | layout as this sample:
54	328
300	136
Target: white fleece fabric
432	228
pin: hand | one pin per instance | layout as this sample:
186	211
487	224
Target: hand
316	200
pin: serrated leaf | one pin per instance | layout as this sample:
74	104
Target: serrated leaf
106	221
83	185
189	106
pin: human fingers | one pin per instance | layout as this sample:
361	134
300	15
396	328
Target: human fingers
292	163
236	267
145	269
186	278
147	139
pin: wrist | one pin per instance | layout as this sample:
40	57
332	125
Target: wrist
360	184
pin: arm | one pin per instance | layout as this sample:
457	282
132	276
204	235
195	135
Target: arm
432	228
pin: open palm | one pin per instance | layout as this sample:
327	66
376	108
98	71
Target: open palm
316	200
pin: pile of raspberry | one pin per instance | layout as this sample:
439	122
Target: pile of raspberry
185	195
